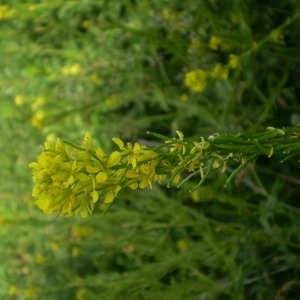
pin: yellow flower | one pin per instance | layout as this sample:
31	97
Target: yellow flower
134	152
184	97
215	42
219	72
6	12
31	292
32	8
182	245
75	251
196	80
13	290
111	100
54	246
81	231
195	195
277	35
96	79
51	138
80	294
71	70
234	61
85	24
38	118
19	100
40	259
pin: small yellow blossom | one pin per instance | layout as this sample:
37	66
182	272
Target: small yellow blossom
54	246
6	12
51	138
277	36
13	290
219	72
184	97
75	251
96	79
81	231
85	24
80	294
71	70
38	118
19	100
2	221
196	80
111	100
195	195
233	18
40	259
129	248
31	292
215	43
182	245
234	61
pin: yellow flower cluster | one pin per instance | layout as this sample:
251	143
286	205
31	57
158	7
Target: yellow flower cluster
197	80
215	43
234	61
71	70
19	100
38	119
6	12
70	179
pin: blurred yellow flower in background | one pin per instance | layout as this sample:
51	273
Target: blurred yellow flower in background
19	100
71	70
6	12
219	72
38	118
196	80
234	61
215	42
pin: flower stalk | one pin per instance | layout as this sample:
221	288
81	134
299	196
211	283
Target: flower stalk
69	179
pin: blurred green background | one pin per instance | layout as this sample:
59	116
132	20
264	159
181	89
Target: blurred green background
118	69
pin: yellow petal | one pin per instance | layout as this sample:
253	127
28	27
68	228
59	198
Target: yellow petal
176	178
216	164
70	180
134	186
119	143
180	134
95	196
144	182
84	212
101	177
82	177
133	162
132	174
114	158
91	169
100	153
109	197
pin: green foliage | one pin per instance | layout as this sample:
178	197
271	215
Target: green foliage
119	69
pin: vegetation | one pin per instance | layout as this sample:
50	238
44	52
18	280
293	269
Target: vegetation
180	117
